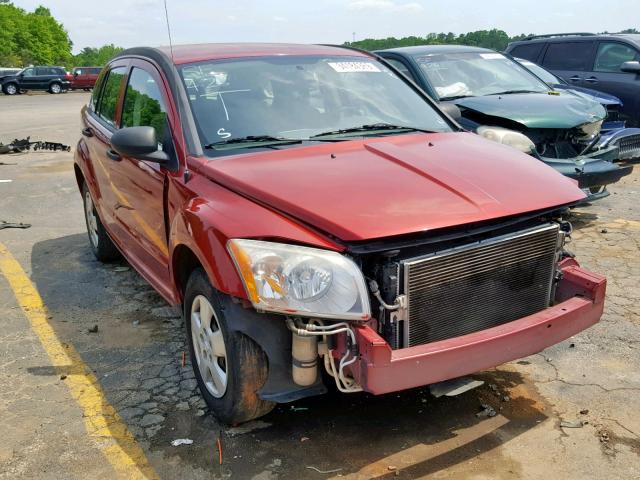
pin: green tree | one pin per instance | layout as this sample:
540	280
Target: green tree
32	37
95	57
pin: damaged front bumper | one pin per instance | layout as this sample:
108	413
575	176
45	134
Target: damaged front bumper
579	304
593	171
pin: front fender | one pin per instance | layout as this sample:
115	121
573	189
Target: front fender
211	215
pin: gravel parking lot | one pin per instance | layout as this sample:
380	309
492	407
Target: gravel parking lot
571	411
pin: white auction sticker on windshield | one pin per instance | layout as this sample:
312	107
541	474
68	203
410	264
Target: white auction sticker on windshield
491	56
352	67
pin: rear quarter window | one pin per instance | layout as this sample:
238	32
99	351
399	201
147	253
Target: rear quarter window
528	52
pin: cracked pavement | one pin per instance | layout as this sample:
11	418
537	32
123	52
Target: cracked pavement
589	383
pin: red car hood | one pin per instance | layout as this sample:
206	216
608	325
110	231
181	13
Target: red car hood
387	186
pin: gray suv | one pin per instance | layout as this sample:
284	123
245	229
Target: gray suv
608	63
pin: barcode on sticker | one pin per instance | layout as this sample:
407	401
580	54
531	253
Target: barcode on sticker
351	67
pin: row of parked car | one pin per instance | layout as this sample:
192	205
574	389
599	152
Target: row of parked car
48	78
311	207
581	132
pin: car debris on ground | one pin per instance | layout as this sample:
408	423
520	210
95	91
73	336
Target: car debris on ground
487	411
25	145
181	441
4	224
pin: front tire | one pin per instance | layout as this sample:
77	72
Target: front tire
55	88
229	367
101	244
10	89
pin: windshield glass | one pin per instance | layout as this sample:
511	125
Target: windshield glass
545	75
296	97
472	74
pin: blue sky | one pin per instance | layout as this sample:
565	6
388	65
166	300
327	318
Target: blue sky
141	22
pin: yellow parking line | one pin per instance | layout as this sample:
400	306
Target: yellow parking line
102	421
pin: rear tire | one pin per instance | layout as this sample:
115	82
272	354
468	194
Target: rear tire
55	88
229	367
101	244
10	89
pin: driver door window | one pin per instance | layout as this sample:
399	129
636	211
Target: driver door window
611	56
143	105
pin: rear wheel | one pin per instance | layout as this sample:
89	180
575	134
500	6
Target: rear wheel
101	245
55	88
10	88
229	367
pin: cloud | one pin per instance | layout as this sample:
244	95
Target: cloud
384	6
278	18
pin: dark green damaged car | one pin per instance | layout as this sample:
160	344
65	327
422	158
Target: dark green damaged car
502	101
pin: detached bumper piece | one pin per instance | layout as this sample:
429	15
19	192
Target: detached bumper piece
628	142
579	304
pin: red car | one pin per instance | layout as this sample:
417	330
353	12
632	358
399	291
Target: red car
310	208
84	77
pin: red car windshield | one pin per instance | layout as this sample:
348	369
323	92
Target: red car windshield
297	98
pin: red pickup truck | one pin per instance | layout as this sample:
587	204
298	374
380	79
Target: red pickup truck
309	207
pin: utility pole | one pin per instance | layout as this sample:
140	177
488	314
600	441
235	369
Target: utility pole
354	37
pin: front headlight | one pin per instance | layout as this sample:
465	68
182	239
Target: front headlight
507	137
590	130
300	280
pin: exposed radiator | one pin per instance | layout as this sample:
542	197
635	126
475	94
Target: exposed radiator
478	286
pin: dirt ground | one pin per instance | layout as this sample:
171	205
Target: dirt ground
572	411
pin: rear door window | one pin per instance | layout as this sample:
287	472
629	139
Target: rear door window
611	56
568	56
528	52
109	98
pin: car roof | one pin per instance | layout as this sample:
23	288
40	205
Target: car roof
583	37
424	49
182	54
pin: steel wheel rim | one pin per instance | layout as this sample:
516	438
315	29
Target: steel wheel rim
208	346
11	89
92	221
55	88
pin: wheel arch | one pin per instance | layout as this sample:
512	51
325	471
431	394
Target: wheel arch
183	262
79	175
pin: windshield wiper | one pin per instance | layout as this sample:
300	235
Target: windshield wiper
509	92
372	127
254	141
454	97
259	141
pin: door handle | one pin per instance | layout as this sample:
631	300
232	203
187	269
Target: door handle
575	78
113	155
87	132
591	80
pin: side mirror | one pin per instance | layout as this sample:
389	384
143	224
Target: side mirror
75	74
630	67
451	109
139	142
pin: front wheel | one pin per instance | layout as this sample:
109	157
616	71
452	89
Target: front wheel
229	367
10	89
101	244
55	88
